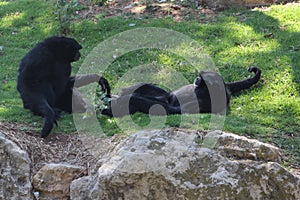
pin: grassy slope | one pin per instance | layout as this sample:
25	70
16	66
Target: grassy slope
270	111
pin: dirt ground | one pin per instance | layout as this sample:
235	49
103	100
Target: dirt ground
72	148
178	10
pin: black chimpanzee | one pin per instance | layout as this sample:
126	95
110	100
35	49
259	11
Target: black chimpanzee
44	80
208	94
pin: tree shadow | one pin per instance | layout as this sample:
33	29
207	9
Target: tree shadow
272	29
22	25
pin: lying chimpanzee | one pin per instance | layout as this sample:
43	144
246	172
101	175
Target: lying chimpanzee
44	80
209	94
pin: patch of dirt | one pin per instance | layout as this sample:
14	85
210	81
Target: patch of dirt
73	148
179	11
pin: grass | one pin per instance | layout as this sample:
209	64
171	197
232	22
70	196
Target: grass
236	40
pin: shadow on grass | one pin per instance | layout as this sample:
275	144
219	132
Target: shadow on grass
22	25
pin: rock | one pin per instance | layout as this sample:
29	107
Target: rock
181	164
79	188
231	145
53	181
15	181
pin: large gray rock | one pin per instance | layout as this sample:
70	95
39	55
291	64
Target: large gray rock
180	164
15	171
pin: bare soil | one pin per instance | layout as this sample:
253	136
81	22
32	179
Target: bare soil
178	10
129	8
73	148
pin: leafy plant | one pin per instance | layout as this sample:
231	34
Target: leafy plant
99	2
101	101
66	12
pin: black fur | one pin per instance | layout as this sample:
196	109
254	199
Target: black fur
44	80
209	94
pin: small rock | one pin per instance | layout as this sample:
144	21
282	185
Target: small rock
53	180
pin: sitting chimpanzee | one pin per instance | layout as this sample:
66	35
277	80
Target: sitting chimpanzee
209	94
44	80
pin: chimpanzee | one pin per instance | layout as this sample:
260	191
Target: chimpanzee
44	80
208	94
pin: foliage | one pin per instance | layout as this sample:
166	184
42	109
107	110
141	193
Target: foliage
99	2
103	101
66	12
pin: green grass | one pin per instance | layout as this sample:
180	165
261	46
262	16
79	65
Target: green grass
235	40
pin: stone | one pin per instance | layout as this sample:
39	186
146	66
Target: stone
231	145
53	181
185	164
15	174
